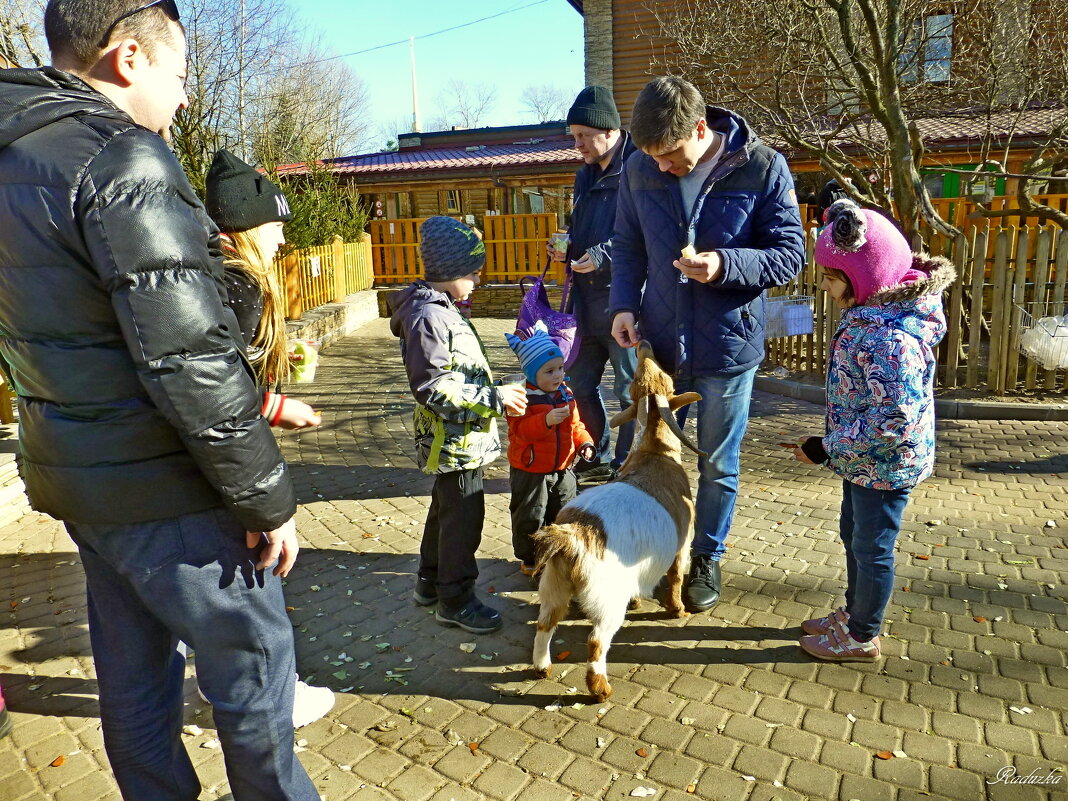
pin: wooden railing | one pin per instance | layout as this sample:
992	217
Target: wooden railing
515	247
7	401
999	271
324	274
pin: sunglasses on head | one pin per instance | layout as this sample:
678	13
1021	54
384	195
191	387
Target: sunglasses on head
168	7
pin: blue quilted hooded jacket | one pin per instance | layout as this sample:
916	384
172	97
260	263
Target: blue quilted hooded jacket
746	210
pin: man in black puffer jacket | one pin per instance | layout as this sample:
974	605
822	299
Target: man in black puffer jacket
605	148
140	422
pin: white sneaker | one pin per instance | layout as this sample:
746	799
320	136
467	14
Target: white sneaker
310	703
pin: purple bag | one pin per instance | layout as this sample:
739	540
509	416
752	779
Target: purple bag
563	327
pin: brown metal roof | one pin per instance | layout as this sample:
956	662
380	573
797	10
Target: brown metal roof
558	151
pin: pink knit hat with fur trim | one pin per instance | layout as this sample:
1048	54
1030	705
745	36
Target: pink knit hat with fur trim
867	247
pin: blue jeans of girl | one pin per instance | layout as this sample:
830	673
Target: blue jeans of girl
869	525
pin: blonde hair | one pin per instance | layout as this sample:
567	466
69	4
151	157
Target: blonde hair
245	252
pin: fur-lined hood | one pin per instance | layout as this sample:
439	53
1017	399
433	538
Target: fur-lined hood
914	308
940	274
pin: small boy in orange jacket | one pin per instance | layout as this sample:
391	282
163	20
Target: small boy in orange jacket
542	444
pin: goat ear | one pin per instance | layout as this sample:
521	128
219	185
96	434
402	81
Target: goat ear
683	400
625	416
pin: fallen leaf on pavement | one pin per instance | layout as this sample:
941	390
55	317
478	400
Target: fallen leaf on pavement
59	760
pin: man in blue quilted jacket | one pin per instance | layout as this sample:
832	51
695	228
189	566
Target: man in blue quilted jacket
706	221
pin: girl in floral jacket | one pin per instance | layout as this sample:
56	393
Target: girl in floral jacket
880	410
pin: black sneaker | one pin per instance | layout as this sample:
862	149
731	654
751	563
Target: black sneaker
426	592
702	587
600	474
474	616
6	724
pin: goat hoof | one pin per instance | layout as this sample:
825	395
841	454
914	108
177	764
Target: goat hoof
635	603
543	673
598	686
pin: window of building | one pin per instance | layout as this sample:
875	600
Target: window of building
927	52
452	201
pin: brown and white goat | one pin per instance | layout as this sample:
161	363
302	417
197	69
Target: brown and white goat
613	543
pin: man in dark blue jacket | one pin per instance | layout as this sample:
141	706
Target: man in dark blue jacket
707	220
595	126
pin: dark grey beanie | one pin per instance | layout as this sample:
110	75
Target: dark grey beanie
449	249
239	197
594	108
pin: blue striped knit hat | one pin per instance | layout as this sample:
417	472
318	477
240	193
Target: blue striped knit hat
534	351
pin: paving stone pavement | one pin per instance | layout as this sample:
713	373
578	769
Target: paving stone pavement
718	706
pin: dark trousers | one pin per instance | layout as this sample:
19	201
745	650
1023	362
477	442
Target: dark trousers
190	578
537	499
452	534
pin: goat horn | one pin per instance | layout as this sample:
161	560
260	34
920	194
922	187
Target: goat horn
669	418
643	415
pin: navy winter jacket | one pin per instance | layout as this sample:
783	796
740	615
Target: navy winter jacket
747	211
592	221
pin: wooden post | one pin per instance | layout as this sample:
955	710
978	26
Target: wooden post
975	311
956	301
7	395
995	378
294	298
367	275
337	253
1057	296
1038	297
1016	296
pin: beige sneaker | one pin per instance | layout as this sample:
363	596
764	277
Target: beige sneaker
838	645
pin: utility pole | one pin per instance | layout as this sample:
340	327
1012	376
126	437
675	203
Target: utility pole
415	91
241	85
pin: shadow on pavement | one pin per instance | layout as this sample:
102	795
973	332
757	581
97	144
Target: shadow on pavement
1046	465
358	631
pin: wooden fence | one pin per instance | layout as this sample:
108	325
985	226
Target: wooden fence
981	347
324	274
515	247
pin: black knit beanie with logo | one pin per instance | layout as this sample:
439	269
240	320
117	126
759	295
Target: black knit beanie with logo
594	108
240	198
449	249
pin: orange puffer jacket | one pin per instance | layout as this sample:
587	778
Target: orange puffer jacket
537	448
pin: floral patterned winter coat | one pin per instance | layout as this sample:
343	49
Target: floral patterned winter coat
880	383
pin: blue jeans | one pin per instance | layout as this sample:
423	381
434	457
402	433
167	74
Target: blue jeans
584	378
722	417
869	525
190	578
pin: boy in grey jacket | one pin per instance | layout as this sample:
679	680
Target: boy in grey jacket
455	403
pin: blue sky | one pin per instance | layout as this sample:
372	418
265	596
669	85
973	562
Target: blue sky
538	43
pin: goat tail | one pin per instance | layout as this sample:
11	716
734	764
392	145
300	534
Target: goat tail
556	540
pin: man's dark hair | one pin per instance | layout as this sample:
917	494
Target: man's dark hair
74	28
666	112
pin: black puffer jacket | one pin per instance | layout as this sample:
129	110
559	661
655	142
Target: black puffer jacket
136	400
